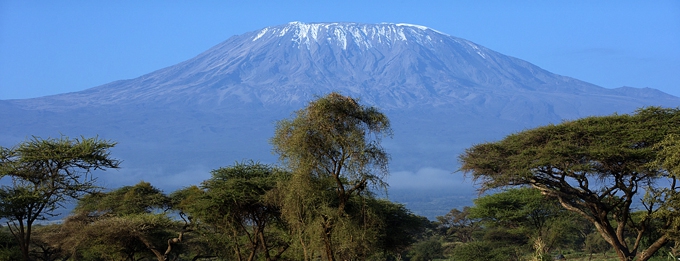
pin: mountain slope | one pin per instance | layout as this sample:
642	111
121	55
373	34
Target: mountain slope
442	93
393	65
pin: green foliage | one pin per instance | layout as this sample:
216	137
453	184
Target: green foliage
523	216
484	251
9	247
332	148
237	204
517	207
398	227
592	147
128	237
127	200
427	250
44	173
502	236
128	223
459	225
667	197
594	166
335	137
595	244
568	230
669	154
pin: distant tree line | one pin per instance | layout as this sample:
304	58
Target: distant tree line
592	187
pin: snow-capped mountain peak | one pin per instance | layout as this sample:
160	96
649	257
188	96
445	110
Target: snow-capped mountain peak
347	34
395	65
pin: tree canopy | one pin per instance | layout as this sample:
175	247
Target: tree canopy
595	166
43	174
127	200
332	148
235	203
335	137
128	223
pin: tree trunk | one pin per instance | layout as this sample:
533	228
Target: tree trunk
304	247
23	235
267	257
251	256
327	238
647	253
329	249
608	233
620	250
152	248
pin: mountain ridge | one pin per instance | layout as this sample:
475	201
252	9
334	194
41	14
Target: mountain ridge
442	94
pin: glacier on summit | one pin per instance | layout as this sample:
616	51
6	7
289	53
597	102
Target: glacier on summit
342	34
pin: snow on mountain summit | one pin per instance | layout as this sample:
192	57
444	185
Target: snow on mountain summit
345	34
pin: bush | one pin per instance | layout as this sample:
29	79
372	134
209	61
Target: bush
484	251
427	250
9	249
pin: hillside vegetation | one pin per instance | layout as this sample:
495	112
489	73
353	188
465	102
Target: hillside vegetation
596	188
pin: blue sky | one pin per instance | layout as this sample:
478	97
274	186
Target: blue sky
51	47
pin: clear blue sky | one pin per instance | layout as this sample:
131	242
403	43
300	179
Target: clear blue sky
51	47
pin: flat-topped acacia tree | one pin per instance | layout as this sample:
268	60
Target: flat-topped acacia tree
597	167
43	174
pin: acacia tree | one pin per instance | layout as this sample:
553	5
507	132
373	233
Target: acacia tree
128	223
332	148
668	197
517	207
142	198
116	225
43	174
235	203
112	237
459	224
595	166
398	228
527	212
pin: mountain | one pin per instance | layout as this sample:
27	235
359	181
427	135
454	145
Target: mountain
442	94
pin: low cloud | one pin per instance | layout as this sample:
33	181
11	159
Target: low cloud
428	177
